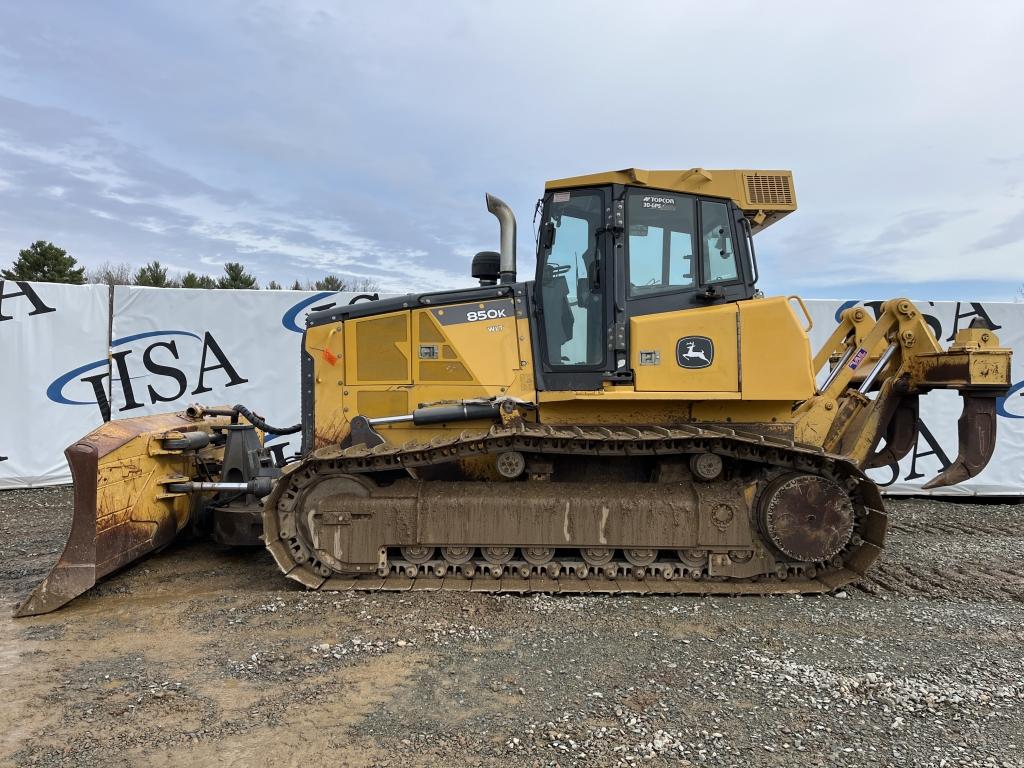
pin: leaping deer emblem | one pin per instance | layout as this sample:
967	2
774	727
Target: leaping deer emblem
694	354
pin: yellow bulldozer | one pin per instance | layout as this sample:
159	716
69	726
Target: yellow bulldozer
637	418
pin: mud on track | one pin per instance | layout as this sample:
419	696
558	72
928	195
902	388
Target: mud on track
203	656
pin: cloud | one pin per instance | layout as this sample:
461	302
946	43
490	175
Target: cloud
1008	232
303	136
138	201
911	226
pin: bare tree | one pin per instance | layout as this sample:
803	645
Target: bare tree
336	283
109	273
364	285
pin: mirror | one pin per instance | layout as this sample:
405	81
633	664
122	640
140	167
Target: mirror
720	244
582	291
548	236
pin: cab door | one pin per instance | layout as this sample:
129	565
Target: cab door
572	289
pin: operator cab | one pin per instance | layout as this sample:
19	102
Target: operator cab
609	253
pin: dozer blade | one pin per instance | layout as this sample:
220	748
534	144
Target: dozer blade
123	509
976	429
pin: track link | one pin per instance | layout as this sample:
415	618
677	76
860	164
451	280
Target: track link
568	570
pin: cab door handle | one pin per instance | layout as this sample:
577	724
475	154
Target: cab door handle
709	295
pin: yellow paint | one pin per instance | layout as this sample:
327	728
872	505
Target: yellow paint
625	392
664	411
485	351
464	360
376	402
775	351
131	478
328	380
662	333
378	349
763	372
764	196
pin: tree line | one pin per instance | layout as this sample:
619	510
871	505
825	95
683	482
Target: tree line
46	263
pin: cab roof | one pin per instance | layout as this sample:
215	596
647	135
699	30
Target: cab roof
763	196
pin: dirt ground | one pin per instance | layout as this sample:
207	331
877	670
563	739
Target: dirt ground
208	657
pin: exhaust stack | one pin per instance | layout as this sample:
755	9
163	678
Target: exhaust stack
507	222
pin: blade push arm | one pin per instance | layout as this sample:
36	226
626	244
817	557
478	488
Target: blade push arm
898	357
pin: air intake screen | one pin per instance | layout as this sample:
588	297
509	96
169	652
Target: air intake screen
770	190
382	346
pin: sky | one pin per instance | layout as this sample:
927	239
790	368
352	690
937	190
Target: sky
305	137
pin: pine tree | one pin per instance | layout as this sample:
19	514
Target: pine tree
192	280
297	286
235	276
44	262
330	283
155	276
273	285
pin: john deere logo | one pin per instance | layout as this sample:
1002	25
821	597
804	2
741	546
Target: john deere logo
695	352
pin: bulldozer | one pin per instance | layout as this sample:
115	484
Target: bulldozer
638	418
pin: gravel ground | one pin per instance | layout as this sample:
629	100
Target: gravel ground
202	656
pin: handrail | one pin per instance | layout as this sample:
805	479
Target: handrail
803	308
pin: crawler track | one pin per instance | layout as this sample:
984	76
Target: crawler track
367	483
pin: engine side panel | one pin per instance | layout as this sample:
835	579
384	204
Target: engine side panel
390	364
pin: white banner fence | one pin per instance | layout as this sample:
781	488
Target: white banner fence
73	356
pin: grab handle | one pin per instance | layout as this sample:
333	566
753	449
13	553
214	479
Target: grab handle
803	308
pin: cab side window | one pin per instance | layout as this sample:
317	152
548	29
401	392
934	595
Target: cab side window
717	244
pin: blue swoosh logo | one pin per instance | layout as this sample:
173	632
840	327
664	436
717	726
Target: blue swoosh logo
1001	402
55	391
843	307
290	317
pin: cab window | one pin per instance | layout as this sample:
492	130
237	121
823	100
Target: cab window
660	243
570	280
719	254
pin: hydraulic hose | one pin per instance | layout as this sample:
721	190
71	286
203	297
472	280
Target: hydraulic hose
259	423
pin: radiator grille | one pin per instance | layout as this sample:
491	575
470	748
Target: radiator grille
770	190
